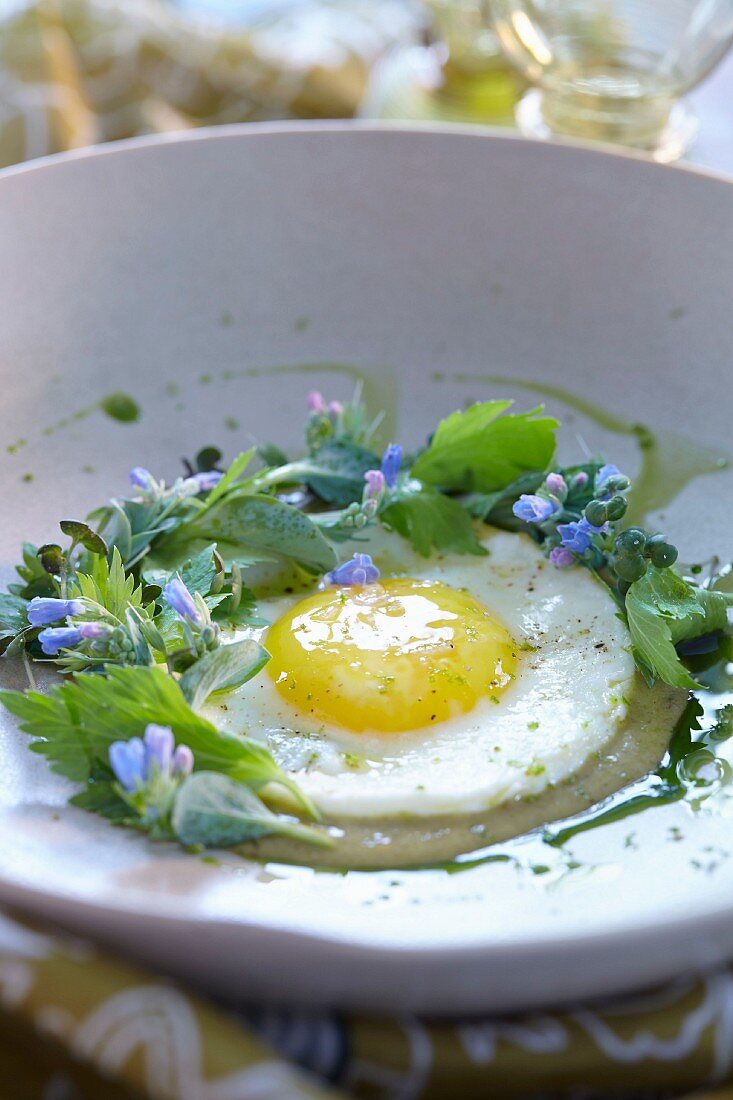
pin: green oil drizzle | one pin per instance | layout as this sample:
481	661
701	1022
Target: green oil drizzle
669	461
121	407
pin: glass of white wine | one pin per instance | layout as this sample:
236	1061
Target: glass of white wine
612	70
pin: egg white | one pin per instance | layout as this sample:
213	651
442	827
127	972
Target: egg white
575	674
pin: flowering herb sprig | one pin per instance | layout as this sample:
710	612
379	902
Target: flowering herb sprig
201	634
148	773
575	529
348	422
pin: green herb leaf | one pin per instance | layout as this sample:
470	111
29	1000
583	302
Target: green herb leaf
83	534
223	669
481	450
108	584
663	609
101	797
13	614
36	580
267	524
341	467
431	521
217	812
232	475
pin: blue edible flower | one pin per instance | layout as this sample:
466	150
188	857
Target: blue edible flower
202	482
360	570
159	746
177	596
54	638
43	610
534	509
127	760
561	557
605	474
141	478
137	763
391	462
577	536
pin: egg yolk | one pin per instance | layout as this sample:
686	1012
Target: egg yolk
388	657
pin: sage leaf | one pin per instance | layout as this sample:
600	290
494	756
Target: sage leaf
222	669
267	524
217	812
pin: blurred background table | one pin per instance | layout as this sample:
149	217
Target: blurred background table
74	72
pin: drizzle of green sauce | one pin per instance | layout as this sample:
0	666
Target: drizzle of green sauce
121	407
669	461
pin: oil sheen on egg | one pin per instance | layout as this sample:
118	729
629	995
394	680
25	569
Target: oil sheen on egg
455	691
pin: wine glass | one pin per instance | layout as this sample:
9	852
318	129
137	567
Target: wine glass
453	70
612	70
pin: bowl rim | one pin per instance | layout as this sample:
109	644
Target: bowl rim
500	134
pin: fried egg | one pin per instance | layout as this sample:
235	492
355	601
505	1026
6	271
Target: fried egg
455	685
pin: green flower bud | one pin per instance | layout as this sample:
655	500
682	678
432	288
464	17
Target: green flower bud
630	565
633	538
616	507
596	513
661	553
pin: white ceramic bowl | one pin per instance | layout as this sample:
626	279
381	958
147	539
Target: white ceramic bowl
188	272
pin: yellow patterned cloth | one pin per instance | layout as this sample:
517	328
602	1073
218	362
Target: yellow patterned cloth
80	1025
74	72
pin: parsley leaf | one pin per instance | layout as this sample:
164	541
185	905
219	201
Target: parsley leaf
482	450
431	521
662	610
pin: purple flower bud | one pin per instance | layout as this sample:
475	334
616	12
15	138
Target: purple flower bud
556	484
127	760
391	462
43	610
159	745
54	638
578	536
316	403
177	596
335	408
202	482
580	479
141	478
562	557
534	509
182	762
93	632
375	483
360	570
